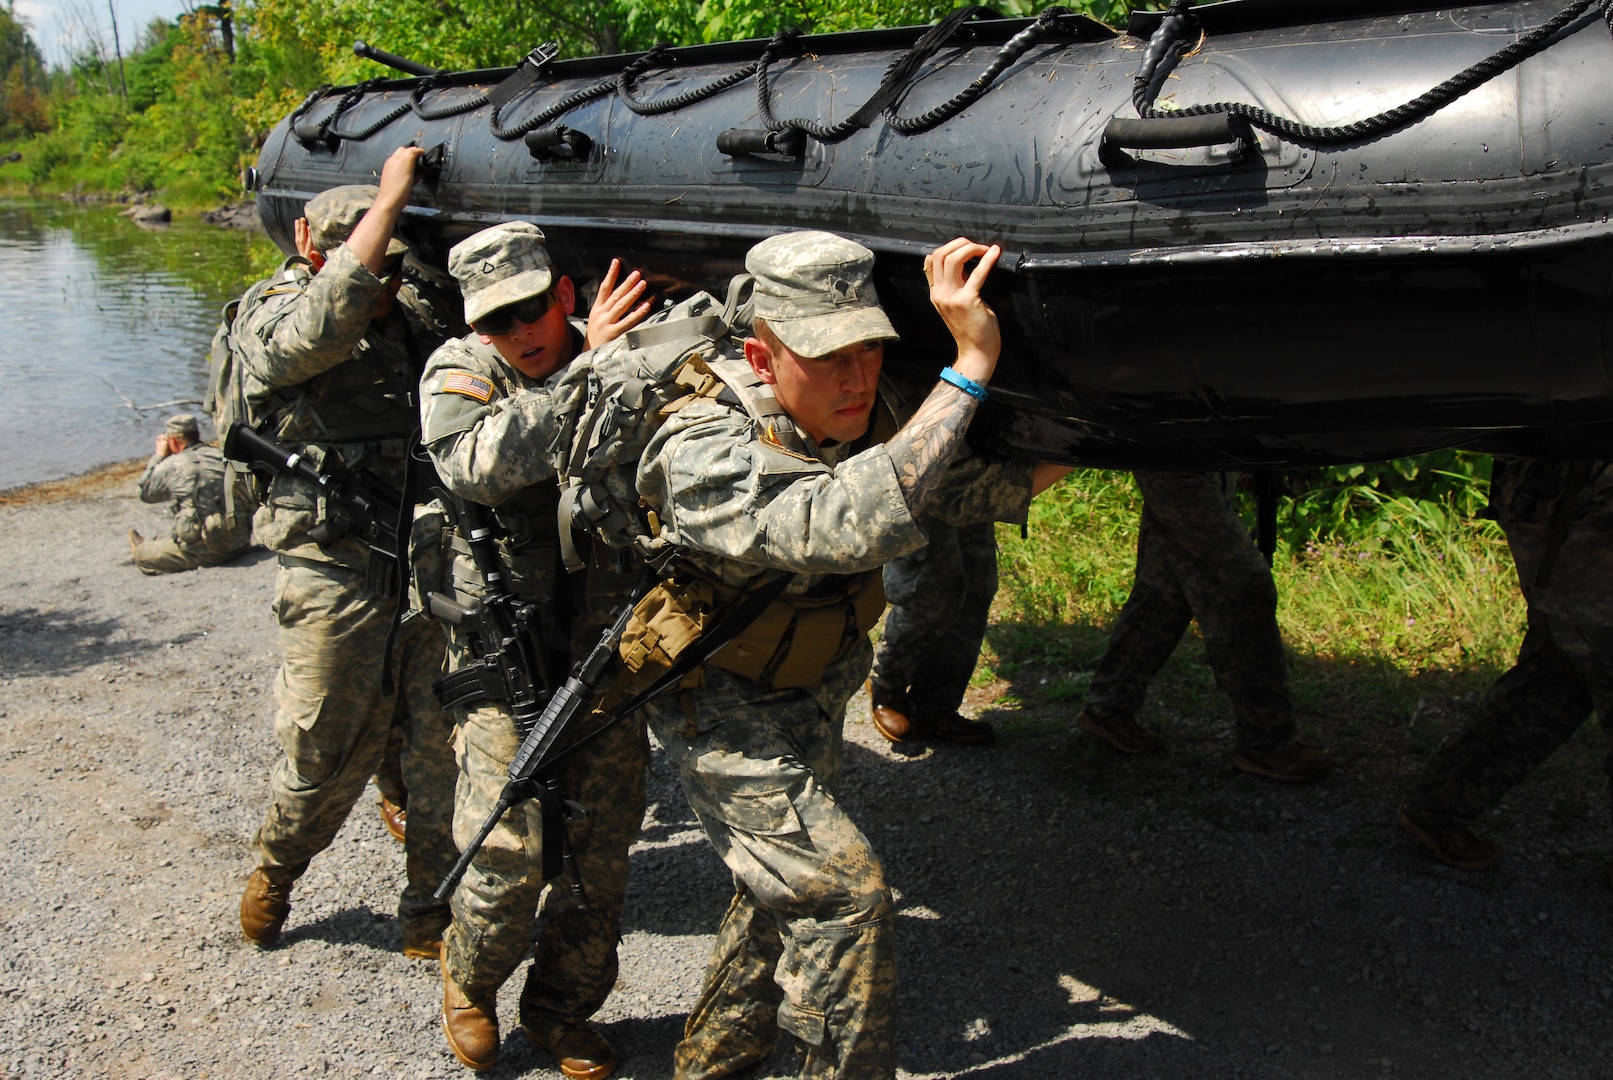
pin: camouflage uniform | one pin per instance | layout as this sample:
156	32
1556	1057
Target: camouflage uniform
1564	670
338	386
1195	560
806	945
488	428
940	600
208	529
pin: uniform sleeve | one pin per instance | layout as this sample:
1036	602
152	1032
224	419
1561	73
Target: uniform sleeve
487	440
980	488
173	477
153	485
312	331
721	491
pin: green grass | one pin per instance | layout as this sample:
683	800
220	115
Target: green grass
1396	621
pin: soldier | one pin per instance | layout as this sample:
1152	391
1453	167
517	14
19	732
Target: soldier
1556	516
332	360
1195	560
488	421
940	600
797	488
212	525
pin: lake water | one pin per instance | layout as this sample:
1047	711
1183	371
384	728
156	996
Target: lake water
102	323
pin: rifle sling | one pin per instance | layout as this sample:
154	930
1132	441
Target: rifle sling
735	622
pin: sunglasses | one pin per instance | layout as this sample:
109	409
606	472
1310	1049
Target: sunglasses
502	320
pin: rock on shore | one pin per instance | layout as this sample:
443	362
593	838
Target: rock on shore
1061	912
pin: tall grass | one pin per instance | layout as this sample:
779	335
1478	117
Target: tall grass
1393	605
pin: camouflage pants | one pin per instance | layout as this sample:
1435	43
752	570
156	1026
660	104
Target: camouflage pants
940	599
1196	561
502	907
164	555
1564	670
807	945
333	724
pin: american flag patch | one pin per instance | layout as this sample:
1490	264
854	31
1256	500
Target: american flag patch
458	382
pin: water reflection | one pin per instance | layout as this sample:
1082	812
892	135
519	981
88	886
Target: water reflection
98	315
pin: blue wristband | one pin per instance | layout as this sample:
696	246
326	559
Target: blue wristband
964	383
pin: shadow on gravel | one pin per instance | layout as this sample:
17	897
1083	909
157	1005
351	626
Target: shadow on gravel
1069	911
361	925
56	641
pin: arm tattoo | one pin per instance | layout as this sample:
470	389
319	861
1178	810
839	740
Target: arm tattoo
924	448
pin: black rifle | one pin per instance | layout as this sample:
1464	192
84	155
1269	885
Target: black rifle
510	665
585	686
359	503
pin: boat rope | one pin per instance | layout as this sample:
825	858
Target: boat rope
1175	33
432	82
564	105
660	55
1047	25
896	79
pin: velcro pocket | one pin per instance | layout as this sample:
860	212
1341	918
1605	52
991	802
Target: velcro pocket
761	813
807	1024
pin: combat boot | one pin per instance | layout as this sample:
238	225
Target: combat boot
264	907
580	1051
395	818
1121	732
1291	763
1456	845
422	938
472	1031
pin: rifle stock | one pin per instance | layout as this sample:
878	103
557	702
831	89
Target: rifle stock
366	506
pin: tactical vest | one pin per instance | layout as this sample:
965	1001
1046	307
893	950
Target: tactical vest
796	638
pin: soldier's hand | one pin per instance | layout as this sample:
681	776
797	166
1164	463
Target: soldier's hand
397	176
613	312
956	297
164	447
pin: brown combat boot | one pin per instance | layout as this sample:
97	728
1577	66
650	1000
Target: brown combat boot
264	907
1121	732
1456	846
422	938
580	1051
1292	763
395	818
472	1032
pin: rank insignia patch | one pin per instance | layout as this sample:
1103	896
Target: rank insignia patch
470	386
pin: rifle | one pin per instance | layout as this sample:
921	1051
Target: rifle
361	504
510	666
582	689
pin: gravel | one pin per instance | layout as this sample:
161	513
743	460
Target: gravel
1062	911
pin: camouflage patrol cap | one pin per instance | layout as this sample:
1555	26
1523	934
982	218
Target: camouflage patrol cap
182	424
814	291
332	215
500	266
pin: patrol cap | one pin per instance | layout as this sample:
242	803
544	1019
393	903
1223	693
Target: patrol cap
500	266
332	215
183	424
815	292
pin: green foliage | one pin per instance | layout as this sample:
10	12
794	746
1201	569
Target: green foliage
1359	503
22	78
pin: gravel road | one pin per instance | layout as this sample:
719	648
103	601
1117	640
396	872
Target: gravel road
1063	912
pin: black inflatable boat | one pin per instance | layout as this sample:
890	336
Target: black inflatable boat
1252	233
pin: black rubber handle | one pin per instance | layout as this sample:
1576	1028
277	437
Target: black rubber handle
1171	132
747	142
559	143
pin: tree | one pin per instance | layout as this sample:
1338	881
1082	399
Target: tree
22	78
